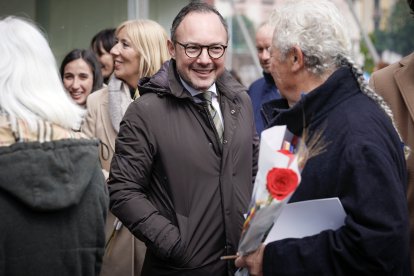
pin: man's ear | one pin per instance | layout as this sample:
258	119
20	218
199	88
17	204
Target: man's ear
171	48
296	58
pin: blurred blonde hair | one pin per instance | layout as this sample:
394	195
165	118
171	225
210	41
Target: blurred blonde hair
149	39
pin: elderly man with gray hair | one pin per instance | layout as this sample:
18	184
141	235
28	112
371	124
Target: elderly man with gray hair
362	162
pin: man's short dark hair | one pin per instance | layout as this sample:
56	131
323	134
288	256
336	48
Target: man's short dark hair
195	6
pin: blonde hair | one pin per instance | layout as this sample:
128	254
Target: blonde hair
30	85
149	39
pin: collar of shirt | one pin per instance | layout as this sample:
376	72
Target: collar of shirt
214	100
195	92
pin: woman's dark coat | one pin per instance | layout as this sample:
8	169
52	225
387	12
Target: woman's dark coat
53	205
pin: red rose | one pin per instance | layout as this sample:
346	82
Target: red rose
286	152
281	182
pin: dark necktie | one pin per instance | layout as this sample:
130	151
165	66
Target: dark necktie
207	97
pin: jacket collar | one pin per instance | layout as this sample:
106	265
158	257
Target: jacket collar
268	78
314	104
404	77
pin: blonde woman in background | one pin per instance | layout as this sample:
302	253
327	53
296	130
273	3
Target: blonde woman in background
140	50
53	201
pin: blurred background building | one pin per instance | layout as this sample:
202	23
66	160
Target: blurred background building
379	29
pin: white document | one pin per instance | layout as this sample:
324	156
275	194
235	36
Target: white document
307	218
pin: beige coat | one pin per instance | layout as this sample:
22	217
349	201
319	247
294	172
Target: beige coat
395	83
124	254
98	124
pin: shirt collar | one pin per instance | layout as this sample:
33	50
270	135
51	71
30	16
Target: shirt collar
195	92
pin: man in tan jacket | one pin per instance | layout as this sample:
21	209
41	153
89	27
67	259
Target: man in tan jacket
395	83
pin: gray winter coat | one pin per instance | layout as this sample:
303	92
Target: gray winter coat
53	204
173	186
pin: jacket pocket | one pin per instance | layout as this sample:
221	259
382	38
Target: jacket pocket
180	255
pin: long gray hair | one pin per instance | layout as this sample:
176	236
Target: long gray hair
319	30
30	85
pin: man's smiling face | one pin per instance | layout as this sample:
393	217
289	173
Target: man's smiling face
202	29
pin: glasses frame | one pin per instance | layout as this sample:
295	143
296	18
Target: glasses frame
201	49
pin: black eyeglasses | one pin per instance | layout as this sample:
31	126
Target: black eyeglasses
215	51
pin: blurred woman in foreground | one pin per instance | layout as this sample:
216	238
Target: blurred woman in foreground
53	201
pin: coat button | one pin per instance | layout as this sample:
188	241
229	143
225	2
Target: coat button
224	141
232	111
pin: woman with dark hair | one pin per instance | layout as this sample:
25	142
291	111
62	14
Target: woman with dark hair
81	74
102	44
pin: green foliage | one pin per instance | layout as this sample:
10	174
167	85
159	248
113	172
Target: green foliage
398	35
238	39
369	61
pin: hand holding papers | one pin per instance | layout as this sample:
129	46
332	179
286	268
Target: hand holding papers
282	157
277	178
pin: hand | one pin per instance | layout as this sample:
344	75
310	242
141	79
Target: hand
253	262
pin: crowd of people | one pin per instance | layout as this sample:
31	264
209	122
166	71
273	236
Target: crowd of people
138	156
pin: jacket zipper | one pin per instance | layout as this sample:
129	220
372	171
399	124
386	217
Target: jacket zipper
223	212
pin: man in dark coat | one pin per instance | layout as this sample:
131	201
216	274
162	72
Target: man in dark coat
264	89
362	162
177	182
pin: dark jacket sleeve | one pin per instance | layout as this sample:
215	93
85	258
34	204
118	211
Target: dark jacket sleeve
256	140
129	185
256	146
374	239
